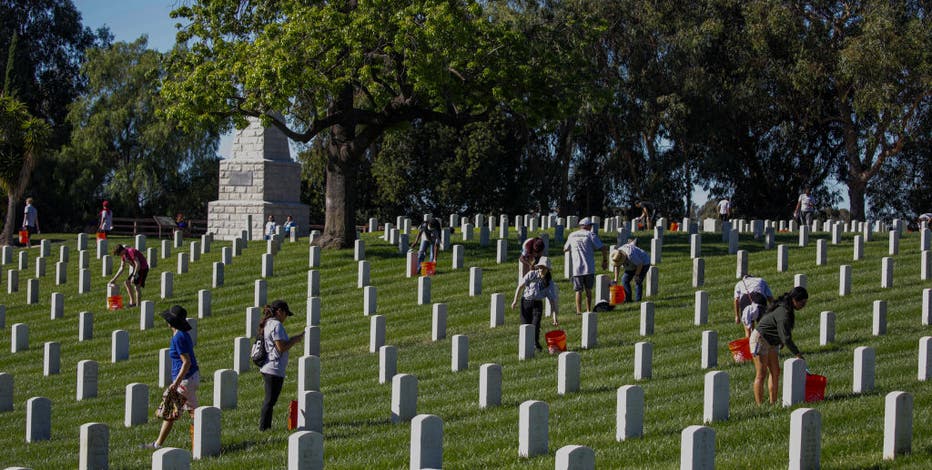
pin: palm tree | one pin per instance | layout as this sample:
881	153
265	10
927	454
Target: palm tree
22	141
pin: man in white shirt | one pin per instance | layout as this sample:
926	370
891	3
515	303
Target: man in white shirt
724	209
805	207
581	245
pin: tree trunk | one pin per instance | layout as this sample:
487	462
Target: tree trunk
340	201
10	227
856	191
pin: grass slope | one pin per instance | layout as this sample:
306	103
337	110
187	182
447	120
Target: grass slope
358	432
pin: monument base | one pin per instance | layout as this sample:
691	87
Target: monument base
227	219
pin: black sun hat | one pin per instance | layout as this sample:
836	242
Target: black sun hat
281	305
177	317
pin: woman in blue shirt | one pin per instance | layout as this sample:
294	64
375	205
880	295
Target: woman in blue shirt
537	286
185	375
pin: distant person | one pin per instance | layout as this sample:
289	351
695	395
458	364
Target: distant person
925	218
270	228
774	331
289	226
185	371
581	245
428	241
531	251
633	262
277	343
180	221
139	271
30	220
724	209
805	208
537	285
648	210
105	219
752	295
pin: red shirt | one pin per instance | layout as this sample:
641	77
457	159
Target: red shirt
132	255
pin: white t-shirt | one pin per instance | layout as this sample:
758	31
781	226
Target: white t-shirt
723	206
748	285
270	228
278	362
582	245
806	202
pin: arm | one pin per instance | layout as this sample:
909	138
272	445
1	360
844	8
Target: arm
185	367
554	305
518	290
737	312
786	337
119	271
283	346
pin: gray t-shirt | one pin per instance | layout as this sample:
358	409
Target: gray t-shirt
278	362
582	245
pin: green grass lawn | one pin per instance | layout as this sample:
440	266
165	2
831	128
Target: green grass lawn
357	427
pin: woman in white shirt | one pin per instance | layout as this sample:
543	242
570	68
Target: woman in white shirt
277	344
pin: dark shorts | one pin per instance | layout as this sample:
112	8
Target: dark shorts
583	282
31	229
139	278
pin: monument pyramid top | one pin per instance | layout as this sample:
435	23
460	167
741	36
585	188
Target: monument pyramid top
257	143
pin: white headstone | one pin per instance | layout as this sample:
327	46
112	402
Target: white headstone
575	457
590	329
306	451
241	349
312	341
805	439
376	333
716	397
629	420
794	381
864	362
423	290
404	397
526	340
490	385
87	380
475	281
459	354
426	442
167	285
897	424
925	358
85	326
136	410
568	372
647	318
206	432
51	364
38	419
313	311
701	308
313	283
698	273
844	280
388	363
697	448
119	346
709	349
643	358
826	328
886	273
268	265
533	428
369	304
782	258
457	258
879	323
260	293
311	411
226	384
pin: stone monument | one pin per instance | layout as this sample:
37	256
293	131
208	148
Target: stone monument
260	179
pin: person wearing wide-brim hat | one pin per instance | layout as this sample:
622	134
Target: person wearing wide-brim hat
276	343
537	286
185	371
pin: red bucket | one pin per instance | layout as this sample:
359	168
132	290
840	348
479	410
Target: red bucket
24	237
815	387
101	235
293	415
556	338
114	302
616	294
428	268
740	350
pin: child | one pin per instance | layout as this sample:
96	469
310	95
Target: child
537	285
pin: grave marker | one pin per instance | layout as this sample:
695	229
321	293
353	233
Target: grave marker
32	291
525	342
167	285
647	318
119	346
313	311
388	363
879	323
575	457
58	306
459	357
309	373
165	368
313	283
241	350
311	411
701	308
886	273
697	448
821	252
864	362
629	420
475	281
457	258
87	380
709	349
426	442
226	384
51	364
568	372
136	409
716	396
794	381
438	325
897	424
268	265
858	248
423	290
698	273
19	337
404	397
376	333
742	267
533	428
217	275
643	352
805	439
85	326
260	293
844	280
782	258
206	432
312	341
490	385
590	327
826	328
38	419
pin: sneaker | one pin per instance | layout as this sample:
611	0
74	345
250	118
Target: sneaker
151	446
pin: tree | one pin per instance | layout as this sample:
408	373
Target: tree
22	141
129	153
352	70
874	59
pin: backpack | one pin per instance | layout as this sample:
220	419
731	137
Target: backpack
258	354
755	310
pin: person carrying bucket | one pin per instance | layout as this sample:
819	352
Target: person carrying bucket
139	270
537	285
429	236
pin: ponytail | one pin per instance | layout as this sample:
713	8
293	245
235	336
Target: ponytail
267	313
798	293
